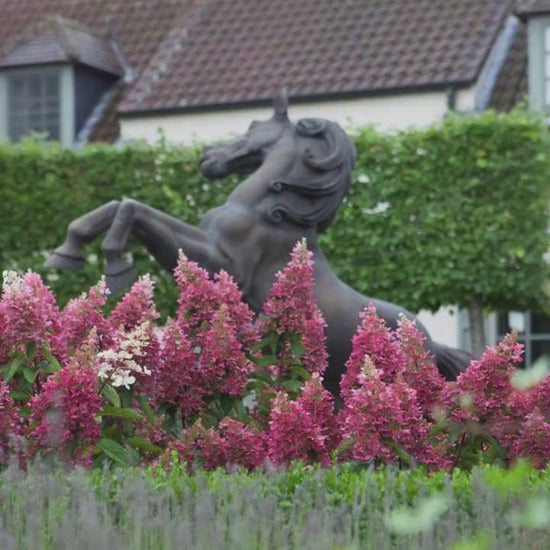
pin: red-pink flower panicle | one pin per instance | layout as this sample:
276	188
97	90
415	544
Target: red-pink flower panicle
304	429
136	306
241	445
176	378
380	418
11	425
420	371
84	314
197	447
291	309
200	298
223	366
533	440
483	393
375	340
29	313
64	414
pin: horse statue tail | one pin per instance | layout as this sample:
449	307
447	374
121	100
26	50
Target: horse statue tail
450	361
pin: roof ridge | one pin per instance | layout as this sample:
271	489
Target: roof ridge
60	22
34	29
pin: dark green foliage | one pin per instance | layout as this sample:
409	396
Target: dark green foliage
466	220
466	214
44	187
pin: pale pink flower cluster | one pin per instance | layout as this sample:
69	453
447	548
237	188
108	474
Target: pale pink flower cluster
28	313
120	364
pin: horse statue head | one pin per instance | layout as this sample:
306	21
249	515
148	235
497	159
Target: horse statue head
306	165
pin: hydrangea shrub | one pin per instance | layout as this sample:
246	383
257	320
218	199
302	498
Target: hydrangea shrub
218	386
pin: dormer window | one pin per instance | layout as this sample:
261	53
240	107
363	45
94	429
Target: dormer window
54	83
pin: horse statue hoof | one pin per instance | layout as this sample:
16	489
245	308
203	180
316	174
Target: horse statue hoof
58	260
119	274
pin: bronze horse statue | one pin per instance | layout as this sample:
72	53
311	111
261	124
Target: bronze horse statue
298	175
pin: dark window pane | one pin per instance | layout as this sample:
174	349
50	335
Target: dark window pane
51	108
540	323
502	324
539	348
33	104
51	126
35	86
17	128
52	85
17	87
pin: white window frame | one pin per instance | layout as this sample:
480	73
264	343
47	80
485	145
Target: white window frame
66	100
538	55
522	321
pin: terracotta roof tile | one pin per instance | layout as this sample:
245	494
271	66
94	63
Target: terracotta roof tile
242	50
137	26
108	128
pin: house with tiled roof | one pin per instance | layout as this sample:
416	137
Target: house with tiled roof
99	70
200	69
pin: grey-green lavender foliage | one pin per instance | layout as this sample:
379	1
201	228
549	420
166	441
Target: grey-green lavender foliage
321	509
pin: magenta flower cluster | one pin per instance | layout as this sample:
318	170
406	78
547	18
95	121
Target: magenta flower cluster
218	386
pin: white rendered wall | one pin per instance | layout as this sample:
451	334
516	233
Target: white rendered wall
387	113
465	100
442	326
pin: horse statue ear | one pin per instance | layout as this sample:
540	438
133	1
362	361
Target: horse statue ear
280	105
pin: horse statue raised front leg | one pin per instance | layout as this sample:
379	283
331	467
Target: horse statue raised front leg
298	175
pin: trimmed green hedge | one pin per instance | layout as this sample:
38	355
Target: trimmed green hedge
43	187
436	216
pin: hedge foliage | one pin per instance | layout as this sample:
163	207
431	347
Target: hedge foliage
439	215
450	214
43	187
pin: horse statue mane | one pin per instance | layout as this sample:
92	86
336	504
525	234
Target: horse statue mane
297	175
292	199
